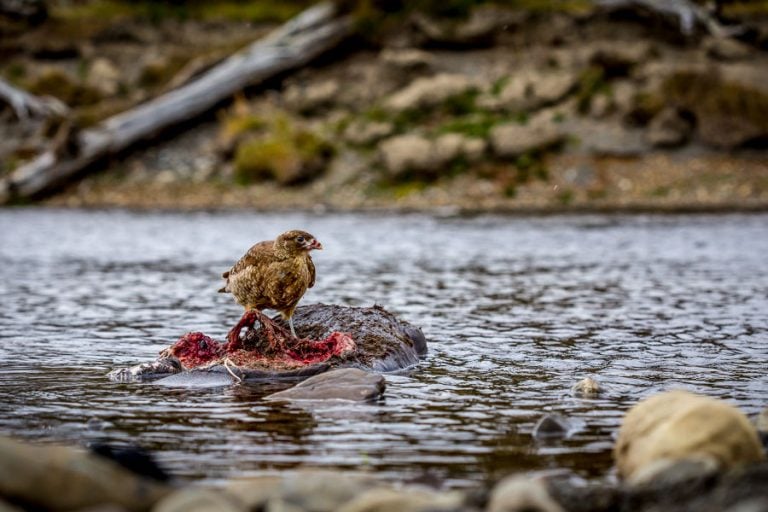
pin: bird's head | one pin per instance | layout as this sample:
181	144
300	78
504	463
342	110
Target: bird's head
296	241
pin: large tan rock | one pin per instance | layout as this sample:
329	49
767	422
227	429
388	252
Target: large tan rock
64	478
404	500
512	140
194	499
678	425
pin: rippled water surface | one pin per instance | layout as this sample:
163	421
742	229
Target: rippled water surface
515	309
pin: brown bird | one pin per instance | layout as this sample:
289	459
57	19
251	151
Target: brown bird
274	274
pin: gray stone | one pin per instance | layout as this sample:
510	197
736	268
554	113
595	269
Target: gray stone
480	28
317	491
551	426
363	133
429	92
312	96
519	493
404	153
409	60
200	500
407	153
254	492
726	49
104	77
586	388
342	384
531	89
669	129
513	140
405	500
59	477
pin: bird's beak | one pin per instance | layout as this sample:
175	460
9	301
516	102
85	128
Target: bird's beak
315	245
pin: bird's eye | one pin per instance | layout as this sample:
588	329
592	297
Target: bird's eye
300	239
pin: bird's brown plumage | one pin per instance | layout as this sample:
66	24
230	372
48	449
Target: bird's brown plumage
274	274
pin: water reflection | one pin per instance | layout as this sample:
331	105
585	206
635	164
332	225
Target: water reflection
516	310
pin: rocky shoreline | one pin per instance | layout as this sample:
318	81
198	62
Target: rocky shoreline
504	110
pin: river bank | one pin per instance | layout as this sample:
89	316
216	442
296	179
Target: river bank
556	109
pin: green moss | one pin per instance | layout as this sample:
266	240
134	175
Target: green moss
115	10
499	85
565	197
591	82
531	166
709	96
477	125
461	104
286	153
57	83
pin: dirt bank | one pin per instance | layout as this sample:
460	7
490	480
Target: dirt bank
534	110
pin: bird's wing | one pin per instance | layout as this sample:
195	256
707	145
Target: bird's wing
255	254
311	266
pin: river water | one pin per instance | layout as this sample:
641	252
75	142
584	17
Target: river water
516	310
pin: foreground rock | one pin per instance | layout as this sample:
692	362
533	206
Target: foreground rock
332	337
343	384
64	478
678	426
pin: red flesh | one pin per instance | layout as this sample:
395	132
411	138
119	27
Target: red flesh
282	350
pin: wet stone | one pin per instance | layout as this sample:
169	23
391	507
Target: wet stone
200	500
344	384
520	493
552	426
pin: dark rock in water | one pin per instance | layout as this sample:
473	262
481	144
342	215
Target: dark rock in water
342	384
332	337
132	458
551	426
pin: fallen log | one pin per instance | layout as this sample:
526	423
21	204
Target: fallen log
26	105
300	40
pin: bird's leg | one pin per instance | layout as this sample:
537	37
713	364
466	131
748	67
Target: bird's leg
290	323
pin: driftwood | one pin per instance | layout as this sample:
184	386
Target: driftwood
305	37
26	105
690	18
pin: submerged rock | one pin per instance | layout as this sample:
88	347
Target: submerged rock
333	337
586	388
679	425
552	426
343	384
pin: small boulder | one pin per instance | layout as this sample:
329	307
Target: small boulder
429	92
404	153
317	491
200	500
586	388
311	97
669	129
342	384
104	77
414	153
362	133
408	60
405	500
726	49
531	90
512	140
479	29
551	426
519	493
679	425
